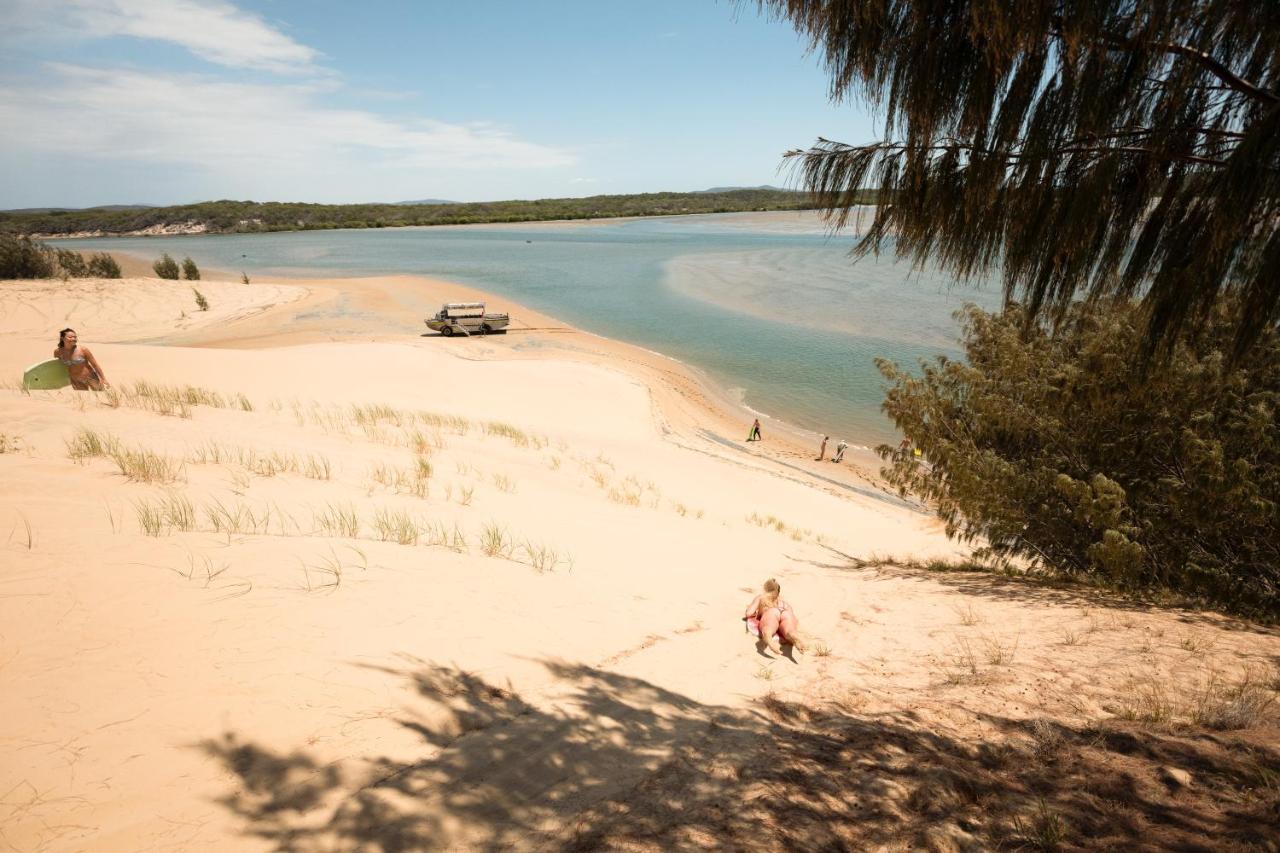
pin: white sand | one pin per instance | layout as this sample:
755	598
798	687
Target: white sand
202	689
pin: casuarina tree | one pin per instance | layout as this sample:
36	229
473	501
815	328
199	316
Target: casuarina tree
1084	148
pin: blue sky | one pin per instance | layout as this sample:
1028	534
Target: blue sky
172	101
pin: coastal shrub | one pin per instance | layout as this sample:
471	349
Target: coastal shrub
166	267
244	278
1060	449
102	265
72	263
189	270
201	302
22	257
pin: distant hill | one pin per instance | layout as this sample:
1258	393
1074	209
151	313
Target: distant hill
768	187
427	201
68	209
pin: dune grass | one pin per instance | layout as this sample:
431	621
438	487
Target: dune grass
514	434
411	481
495	541
324	575
338	520
90	444
28	533
316	467
396	526
138	464
261	463
238	519
544	558
436	533
173	400
797	534
1218	701
202	569
998	651
968	616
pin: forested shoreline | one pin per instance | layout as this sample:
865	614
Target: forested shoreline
225	217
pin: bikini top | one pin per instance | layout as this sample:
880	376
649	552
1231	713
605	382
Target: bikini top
73	359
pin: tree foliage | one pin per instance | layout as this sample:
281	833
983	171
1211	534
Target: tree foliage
190	271
1052	448
166	267
1090	147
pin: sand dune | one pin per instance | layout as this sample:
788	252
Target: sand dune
325	584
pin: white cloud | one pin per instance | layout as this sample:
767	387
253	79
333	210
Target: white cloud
210	29
241	129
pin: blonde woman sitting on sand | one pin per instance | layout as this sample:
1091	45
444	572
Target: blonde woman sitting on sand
82	368
772	619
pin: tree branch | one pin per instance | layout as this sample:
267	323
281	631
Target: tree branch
1204	60
1073	147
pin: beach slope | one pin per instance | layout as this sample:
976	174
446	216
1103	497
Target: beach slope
306	579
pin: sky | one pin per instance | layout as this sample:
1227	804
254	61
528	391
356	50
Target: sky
177	101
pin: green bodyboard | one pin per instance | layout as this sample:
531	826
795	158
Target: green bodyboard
46	374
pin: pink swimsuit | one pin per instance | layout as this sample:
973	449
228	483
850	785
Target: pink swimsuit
753	622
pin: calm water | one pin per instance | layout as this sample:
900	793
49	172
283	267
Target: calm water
773	310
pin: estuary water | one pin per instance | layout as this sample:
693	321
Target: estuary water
769	305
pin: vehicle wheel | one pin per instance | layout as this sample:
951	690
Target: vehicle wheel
447	331
485	329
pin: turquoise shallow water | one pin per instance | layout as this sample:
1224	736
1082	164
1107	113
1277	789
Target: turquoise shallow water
772	308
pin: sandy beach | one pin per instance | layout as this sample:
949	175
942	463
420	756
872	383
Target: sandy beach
307	578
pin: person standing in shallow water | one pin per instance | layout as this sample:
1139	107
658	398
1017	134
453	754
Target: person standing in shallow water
754	435
822	451
83	369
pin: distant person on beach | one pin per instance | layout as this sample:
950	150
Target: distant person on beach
83	369
822	451
840	449
754	435
771	619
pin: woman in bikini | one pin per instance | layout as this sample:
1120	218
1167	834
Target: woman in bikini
772	619
85	372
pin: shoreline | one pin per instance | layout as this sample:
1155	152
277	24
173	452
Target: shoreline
687	397
193	229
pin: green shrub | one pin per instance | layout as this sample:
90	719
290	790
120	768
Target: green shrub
166	267
201	302
1058	447
244	279
22	257
103	265
189	270
72	263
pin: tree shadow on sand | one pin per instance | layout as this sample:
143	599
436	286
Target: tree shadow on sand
1033	589
618	762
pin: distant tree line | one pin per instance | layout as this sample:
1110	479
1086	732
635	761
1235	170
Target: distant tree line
22	257
1050	446
251	217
